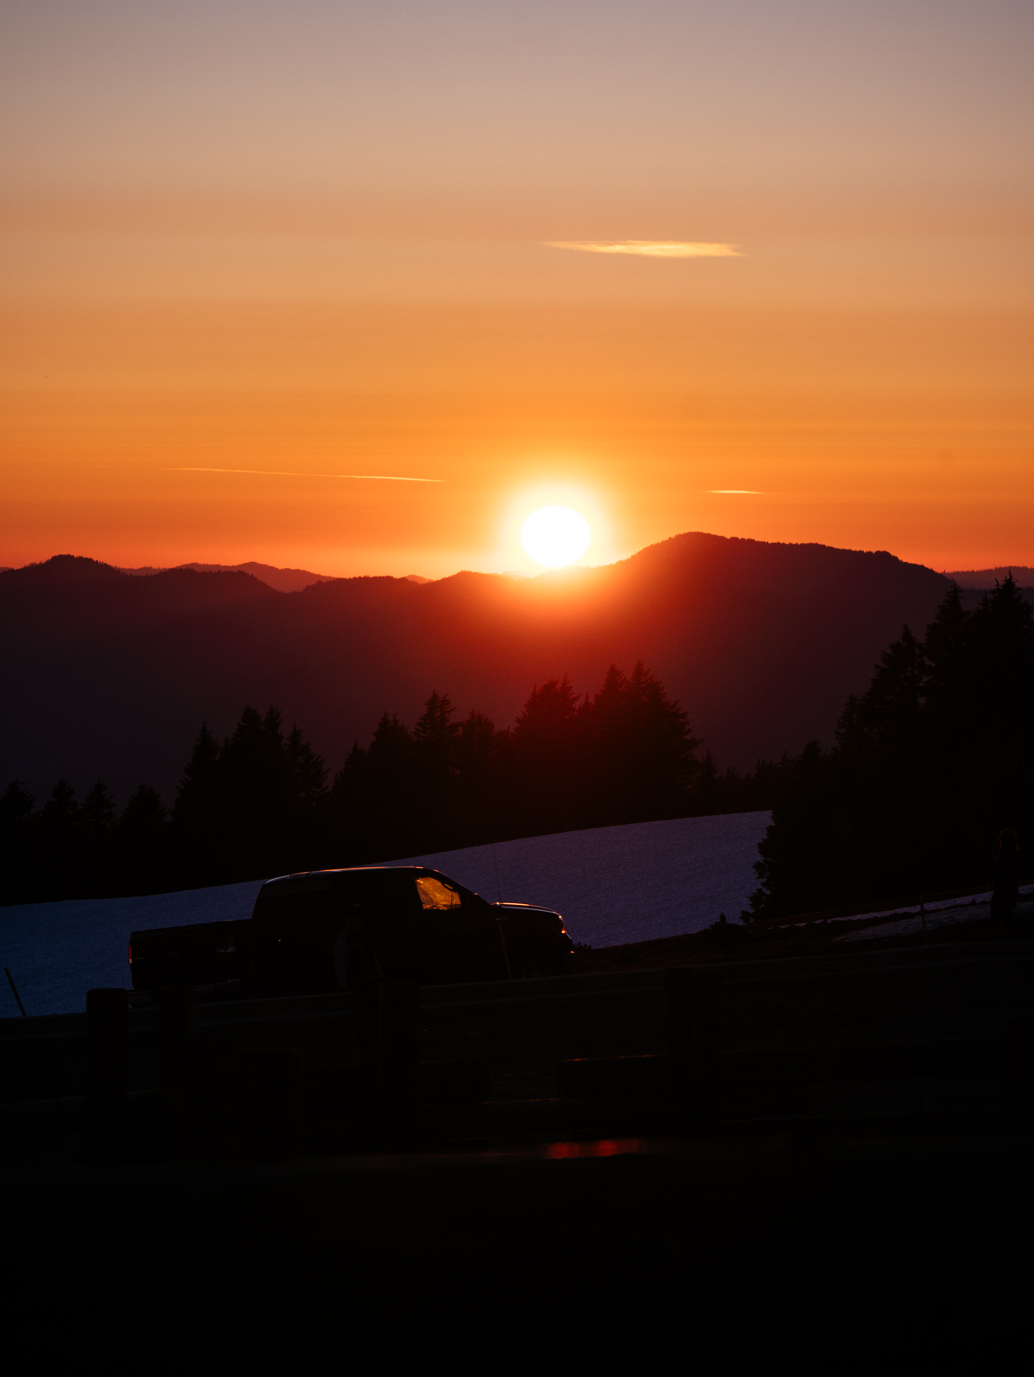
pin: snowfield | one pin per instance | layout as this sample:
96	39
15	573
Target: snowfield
612	884
622	884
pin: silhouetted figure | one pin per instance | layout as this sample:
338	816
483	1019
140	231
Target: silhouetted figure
1007	877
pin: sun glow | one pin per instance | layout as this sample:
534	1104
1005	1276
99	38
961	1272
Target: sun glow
555	536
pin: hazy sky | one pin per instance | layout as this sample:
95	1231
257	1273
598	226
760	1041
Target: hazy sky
312	240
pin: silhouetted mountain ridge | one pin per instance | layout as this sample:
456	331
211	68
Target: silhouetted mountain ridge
987	578
110	674
283	580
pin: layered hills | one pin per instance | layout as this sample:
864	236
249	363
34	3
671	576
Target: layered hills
106	674
987	578
283	580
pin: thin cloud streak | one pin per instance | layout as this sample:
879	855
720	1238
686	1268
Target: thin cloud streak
290	473
649	248
736	492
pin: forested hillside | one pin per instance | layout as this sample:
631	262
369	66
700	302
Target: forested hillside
106	674
930	763
262	802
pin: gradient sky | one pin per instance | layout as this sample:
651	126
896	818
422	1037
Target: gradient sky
251	249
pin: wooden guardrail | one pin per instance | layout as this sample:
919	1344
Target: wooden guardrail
233	1080
695	1066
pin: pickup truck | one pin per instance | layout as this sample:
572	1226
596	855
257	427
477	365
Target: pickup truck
324	930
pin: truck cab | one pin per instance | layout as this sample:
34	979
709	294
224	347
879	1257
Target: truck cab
323	930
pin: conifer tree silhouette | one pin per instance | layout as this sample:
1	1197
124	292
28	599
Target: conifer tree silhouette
142	844
434	771
486	791
707	790
16	805
381	786
549	741
306	771
97	813
478	748
60	857
254	794
196	815
351	830
96	828
19	850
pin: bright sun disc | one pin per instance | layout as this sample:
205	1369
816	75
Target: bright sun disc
555	536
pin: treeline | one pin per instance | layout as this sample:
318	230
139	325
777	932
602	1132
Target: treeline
262	802
929	765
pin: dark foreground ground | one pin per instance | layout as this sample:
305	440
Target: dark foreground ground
862	1194
906	1250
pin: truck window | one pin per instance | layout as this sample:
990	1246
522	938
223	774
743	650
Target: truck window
336	894
436	894
373	891
304	884
307	896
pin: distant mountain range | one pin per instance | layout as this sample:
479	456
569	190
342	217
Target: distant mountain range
987	578
283	580
108	674
294	580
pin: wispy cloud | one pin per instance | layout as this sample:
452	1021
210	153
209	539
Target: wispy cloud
649	248
292	473
734	492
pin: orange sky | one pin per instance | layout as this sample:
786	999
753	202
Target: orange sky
317	240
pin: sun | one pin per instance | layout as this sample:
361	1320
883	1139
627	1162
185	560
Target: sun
555	536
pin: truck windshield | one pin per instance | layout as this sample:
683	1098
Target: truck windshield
436	894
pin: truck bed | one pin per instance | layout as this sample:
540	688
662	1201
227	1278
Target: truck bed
199	954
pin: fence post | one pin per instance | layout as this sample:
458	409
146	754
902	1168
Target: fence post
269	1105
107	1050
206	1102
367	1005
399	1055
1019	1072
693	1035
176	1026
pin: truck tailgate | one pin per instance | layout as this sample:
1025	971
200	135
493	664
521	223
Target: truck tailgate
201	954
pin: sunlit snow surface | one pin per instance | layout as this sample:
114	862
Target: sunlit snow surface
622	884
612	884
